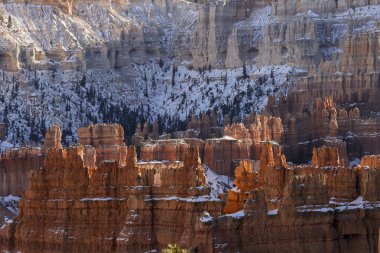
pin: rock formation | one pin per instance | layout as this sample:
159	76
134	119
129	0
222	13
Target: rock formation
76	203
108	141
140	206
322	200
16	167
305	72
136	193
221	154
53	138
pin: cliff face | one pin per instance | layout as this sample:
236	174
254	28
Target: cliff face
16	167
290	208
162	58
108	141
305	72
141	206
111	207
135	206
221	154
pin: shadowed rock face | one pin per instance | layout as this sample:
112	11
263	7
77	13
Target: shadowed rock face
140	206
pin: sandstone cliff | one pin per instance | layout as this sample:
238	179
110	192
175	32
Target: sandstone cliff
142	206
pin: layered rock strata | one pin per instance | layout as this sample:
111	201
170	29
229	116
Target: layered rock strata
112	207
221	154
326	123
16	167
332	208
142	206
108	141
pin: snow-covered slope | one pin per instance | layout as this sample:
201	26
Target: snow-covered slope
218	183
132	64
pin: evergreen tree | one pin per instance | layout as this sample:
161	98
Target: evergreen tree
9	21
83	81
146	90
245	75
173	75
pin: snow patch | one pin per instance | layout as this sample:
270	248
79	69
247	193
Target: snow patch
10	202
189	199
238	215
206	217
218	183
272	212
355	162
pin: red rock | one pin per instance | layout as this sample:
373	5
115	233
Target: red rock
108	140
53	138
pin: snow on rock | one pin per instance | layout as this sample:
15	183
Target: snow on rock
206	217
218	183
189	199
6	145
272	212
238	215
355	162
150	88
10	202
8	208
336	205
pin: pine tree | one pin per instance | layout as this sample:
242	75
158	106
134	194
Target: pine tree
9	21
146	90
83	81
173	75
245	75
154	85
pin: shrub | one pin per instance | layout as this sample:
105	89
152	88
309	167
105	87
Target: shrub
174	248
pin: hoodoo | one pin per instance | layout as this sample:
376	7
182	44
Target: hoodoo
189	126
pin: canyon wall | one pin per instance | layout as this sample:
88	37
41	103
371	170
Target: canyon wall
112	208
147	205
158	60
220	154
320	207
16	167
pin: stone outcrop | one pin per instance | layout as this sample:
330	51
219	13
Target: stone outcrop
261	129
16	167
171	150
371	162
100	198
225	153
221	154
74	204
328	124
108	141
324	201
246	179
53	138
142	197
325	156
